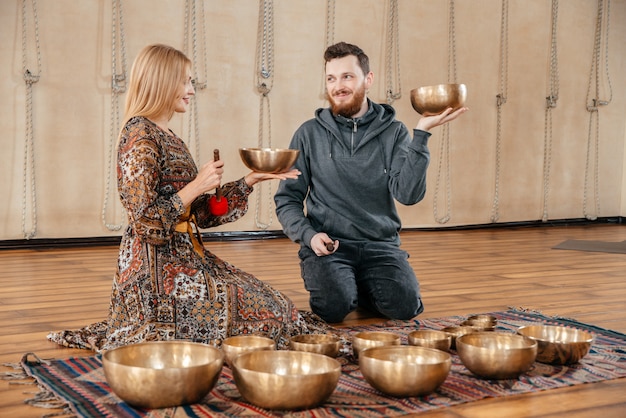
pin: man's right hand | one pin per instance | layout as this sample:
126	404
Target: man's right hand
322	244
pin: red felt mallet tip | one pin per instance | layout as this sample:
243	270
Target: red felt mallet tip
218	205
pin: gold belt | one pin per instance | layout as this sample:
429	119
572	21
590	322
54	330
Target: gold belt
185	225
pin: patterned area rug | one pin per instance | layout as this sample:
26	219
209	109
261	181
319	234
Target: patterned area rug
79	383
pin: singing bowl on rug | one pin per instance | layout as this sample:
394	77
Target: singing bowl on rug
482	322
405	370
558	345
285	379
430	338
496	355
162	374
456	331
433	100
239	344
326	344
268	160
368	339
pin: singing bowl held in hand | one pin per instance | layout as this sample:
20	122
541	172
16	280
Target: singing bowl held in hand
286	380
433	100
268	160
557	344
162	374
405	370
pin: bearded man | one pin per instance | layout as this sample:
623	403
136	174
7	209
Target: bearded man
356	160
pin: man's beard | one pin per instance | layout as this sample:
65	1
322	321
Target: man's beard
350	108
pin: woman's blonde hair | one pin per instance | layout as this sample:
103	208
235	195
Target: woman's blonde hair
155	80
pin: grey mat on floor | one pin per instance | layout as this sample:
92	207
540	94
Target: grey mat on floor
597	246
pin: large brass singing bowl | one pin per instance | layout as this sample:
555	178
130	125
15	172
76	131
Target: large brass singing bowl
405	370
268	160
368	339
285	380
326	344
496	355
433	100
237	345
431	339
162	374
558	345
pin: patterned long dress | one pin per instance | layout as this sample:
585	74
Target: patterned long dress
165	287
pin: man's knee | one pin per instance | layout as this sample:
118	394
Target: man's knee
331	309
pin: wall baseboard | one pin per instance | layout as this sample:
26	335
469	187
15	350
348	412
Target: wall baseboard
47	243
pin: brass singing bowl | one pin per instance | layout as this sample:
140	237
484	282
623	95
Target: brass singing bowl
326	344
430	338
162	374
456	331
433	100
496	355
237	345
482	322
405	370
368	339
284	379
268	160
557	344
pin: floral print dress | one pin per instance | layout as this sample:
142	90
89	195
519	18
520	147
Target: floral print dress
167	285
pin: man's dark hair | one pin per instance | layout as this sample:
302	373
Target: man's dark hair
343	49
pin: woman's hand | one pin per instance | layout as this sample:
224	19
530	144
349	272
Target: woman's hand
427	123
209	177
254	177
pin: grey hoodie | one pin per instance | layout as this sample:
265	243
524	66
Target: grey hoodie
352	170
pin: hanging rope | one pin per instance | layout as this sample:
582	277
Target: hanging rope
594	102
444	149
264	84
191	26
392	54
500	101
118	87
30	78
551	99
329	40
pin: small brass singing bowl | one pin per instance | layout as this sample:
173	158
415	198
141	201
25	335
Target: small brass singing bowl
268	160
239	344
326	344
433	100
405	370
368	339
430	338
284	379
162	374
482	322
456	331
558	345
496	355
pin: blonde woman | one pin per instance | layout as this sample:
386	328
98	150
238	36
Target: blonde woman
167	285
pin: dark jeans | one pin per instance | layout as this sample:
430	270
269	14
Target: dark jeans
373	275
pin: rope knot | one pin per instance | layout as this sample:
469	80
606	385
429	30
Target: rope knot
30	78
263	89
118	83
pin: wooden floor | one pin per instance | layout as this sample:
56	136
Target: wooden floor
460	271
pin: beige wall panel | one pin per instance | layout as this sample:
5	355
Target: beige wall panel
72	102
